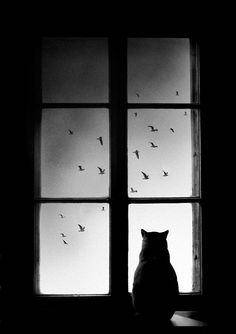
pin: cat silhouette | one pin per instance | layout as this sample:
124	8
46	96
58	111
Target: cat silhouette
155	285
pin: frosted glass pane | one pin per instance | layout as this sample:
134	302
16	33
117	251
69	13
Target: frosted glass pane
75	70
177	218
163	153
75	142
74	259
159	70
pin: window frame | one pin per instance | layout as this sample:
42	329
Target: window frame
118	200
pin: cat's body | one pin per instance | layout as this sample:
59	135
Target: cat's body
155	286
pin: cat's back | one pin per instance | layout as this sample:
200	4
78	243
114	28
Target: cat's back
155	285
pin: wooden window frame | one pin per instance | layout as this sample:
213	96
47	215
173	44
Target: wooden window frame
118	200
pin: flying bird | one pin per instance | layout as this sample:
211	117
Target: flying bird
65	242
165	173
81	228
152	128
135	114
102	171
137	95
172	129
145	176
63	235
195	154
133	191
185	113
100	139
70	132
177	93
103	209
61	215
81	168
152	144
137	153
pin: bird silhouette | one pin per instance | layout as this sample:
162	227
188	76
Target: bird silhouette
63	235
81	168
152	128
152	144
102	171
195	154
172	129
177	93
70	132
165	173
137	153
81	228
103	209
185	113
100	139
145	176
65	242
137	95
61	215
133	191
135	114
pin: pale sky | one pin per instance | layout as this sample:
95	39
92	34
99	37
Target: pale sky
173	153
177	218
157	68
82	265
62	153
75	70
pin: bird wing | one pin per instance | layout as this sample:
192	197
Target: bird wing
100	169
80	226
145	175
150	126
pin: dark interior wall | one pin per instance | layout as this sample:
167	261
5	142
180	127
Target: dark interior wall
18	248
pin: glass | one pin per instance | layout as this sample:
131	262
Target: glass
159	70
74	248
177	218
159	153
74	70
74	145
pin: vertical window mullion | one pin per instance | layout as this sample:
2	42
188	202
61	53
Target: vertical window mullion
118	186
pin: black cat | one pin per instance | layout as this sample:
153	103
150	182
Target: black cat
155	285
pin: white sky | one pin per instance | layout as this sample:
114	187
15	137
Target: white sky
173	154
61	153
82	266
177	218
157	67
75	70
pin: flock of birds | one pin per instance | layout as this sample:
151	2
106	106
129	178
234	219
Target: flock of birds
136	152
152	145
80	167
152	129
81	228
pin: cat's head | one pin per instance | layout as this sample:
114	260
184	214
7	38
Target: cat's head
154	235
154	243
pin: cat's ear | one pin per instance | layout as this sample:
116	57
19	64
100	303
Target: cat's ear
143	232
165	233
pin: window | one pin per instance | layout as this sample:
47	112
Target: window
117	150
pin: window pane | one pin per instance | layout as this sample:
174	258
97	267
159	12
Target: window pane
75	70
74	260
75	142
177	218
159	70
163	153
